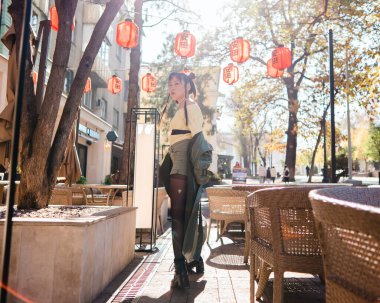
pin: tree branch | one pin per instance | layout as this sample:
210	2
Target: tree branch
173	12
283	12
318	17
175	5
43	132
298	83
258	60
270	25
73	100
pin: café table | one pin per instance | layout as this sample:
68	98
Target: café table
4	184
108	191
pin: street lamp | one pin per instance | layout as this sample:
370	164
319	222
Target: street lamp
332	100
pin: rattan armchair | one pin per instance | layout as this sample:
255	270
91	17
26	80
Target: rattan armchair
161	197
283	236
226	206
250	189
348	223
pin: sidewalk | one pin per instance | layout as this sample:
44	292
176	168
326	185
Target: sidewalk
226	278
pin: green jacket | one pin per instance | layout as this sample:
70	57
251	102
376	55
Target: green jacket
200	158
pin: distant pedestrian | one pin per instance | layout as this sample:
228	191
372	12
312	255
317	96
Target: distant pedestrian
286	174
307	170
273	173
262	174
268	175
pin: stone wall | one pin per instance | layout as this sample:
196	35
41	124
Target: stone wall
70	260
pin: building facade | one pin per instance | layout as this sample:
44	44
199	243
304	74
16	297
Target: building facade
101	111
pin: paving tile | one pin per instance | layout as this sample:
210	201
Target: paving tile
225	280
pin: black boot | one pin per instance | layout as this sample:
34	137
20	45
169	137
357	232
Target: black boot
181	279
199	266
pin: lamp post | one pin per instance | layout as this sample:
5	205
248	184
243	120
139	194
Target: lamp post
332	99
348	123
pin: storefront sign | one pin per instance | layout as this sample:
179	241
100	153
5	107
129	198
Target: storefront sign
89	131
239	175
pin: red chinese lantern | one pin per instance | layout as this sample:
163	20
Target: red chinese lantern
149	83
35	77
55	21
230	74
184	44
240	50
87	88
127	34
281	57
114	84
273	72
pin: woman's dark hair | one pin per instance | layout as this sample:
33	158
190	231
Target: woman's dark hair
185	79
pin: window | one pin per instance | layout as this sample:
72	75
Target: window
69	77
103	108
87	99
34	22
104	52
115	118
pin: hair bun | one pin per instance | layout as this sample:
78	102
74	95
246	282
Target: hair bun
191	76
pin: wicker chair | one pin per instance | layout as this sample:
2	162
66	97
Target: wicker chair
283	236
226	206
251	188
348	223
161	197
62	195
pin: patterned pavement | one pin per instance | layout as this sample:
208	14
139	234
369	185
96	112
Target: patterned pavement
226	278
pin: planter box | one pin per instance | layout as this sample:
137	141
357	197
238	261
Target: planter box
70	260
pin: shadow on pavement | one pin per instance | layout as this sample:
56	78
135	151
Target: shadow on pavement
177	295
227	257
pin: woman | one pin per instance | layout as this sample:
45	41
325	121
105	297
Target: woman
186	123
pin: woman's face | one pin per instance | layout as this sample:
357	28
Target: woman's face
176	89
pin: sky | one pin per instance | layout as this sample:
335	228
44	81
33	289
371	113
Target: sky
155	36
209	18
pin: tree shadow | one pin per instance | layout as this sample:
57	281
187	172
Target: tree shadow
298	290
176	295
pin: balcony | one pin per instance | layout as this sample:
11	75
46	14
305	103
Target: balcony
100	73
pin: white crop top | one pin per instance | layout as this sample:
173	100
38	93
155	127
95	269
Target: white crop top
194	123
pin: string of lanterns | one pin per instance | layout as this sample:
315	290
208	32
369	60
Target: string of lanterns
148	83
114	84
231	74
127	36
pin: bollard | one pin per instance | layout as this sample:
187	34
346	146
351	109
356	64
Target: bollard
379	177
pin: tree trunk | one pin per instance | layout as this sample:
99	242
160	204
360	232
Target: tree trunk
314	154
133	100
291	142
41	158
255	147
